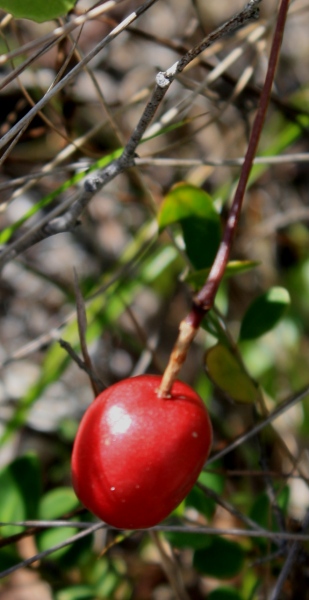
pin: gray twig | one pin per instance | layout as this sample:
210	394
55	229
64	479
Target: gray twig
93	184
288	403
290	560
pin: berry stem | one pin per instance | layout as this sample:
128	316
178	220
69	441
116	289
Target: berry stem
204	299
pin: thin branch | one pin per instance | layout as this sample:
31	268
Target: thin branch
204	300
74	71
171	568
93	184
82	365
230	508
96	384
271	535
298	157
288	565
60	32
41	555
259	426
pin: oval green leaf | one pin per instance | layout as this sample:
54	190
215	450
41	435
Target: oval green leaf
198	500
57	502
222	559
264	313
188	540
228	374
36	9
194	210
76	592
54	504
20	489
224	593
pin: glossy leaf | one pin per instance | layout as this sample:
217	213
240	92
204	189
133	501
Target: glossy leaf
36	9
57	502
224	593
199	499
76	592
194	210
264	313
53	505
20	488
188	540
228	374
222	559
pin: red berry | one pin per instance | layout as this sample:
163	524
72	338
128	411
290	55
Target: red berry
136	455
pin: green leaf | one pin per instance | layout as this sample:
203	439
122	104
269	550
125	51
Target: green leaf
227	372
36	9
224	593
53	505
57	502
198	500
188	540
8	555
20	489
234	267
184	201
222	559
261	511
194	210
76	592
264	313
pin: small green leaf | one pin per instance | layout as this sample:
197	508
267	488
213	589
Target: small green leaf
57	502
234	267
76	592
261	511
20	488
198	500
8	556
184	201
222	559
188	540
53	505
194	210
264	313
224	593
36	9
227	372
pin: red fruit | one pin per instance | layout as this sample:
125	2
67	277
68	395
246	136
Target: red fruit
136	456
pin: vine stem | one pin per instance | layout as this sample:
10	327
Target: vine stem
204	299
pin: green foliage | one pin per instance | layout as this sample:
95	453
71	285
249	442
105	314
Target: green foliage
54	505
227	372
264	313
188	540
20	489
76	592
222	559
194	210
36	9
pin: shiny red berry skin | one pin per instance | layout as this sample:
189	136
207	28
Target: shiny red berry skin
136	456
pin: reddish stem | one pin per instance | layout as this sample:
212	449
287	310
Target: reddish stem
204	300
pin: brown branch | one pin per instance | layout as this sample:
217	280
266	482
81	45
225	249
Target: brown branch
204	300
